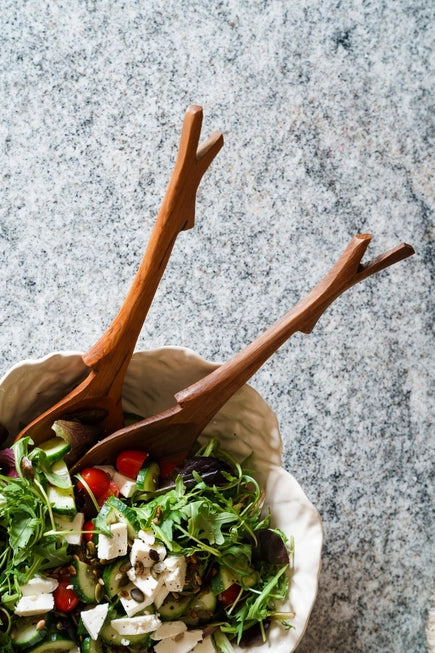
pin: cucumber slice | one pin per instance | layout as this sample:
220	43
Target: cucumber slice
62	500
55	448
148	477
54	643
91	646
201	609
223	580
234	570
84	582
111	636
172	608
115	511
25	633
115	576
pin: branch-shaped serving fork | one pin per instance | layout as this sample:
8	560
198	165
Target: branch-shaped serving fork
108	359
176	429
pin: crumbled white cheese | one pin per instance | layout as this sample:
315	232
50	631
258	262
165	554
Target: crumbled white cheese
65	523
169	629
115	546
145	623
147	584
31	605
160	594
94	618
147	536
182	643
145	554
127	487
175	572
131	606
39	585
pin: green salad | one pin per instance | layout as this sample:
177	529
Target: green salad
136	556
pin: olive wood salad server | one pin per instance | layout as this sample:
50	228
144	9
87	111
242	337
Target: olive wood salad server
176	429
100	392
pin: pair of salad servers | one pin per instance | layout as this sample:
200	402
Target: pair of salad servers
177	429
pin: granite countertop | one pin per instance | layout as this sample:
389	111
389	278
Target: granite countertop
324	108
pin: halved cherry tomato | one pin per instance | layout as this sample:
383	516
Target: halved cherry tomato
88	526
112	491
65	598
130	461
97	480
228	596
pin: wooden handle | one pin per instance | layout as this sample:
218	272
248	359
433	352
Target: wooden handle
177	212
211	393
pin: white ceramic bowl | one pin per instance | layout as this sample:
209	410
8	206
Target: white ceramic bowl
245	424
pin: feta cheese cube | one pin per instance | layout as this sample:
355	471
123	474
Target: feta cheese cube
94	619
182	643
127	487
145	554
160	594
75	523
31	605
175	572
147	584
115	546
169	629
39	585
130	605
147	536
145	623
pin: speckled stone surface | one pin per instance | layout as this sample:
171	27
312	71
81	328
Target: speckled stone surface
324	108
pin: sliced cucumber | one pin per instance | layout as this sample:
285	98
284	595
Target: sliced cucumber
26	633
115	576
172	608
148	477
62	500
233	570
111	636
54	643
84	582
201	609
91	646
223	580
115	511
55	448
60	468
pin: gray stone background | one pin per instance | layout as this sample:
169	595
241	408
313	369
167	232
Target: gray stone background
324	106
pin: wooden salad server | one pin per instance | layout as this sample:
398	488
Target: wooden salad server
175	430
100	392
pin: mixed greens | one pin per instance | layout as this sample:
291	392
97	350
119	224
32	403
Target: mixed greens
152	560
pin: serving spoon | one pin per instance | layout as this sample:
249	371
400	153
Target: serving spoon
175	430
100	392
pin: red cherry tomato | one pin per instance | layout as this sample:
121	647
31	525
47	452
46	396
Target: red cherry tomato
65	598
112	491
97	480
228	596
88	526
130	461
